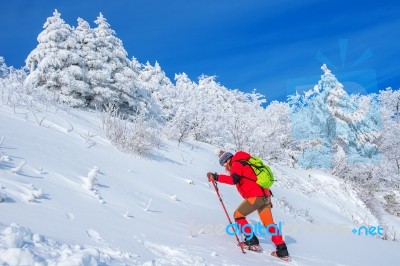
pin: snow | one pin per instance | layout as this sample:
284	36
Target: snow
69	199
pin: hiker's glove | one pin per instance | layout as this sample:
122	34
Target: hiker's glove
212	176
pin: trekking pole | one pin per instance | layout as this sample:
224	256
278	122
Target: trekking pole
227	215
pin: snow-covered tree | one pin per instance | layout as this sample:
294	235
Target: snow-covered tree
199	107
357	138
334	119
209	113
154	80
109	73
312	122
105	56
272	138
392	204
3	67
13	92
390	146
139	134
55	64
390	100
179	126
184	83
84	35
231	119
243	118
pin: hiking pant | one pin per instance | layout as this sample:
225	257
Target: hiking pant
263	206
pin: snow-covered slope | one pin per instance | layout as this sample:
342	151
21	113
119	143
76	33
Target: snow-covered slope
71	198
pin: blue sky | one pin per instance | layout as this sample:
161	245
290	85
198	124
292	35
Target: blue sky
275	47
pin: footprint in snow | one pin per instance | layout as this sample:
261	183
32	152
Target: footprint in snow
40	171
70	216
174	198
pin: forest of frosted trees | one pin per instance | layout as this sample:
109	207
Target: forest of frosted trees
353	136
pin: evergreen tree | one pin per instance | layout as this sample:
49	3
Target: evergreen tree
3	67
184	83
84	35
104	56
110	75
337	122
154	80
55	64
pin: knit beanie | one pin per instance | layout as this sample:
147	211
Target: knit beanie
224	156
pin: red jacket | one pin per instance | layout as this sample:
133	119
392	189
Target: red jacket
247	188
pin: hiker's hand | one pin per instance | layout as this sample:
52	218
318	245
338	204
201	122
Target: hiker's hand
212	177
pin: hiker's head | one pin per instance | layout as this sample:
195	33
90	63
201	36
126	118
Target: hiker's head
224	157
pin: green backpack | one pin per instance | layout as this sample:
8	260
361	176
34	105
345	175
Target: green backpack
265	178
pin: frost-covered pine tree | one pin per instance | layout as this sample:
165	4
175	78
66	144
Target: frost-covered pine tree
153	79
84	35
56	66
102	62
358	123
3	67
184	83
335	119
143	93
109	74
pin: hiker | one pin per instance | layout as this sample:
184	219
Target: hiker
255	198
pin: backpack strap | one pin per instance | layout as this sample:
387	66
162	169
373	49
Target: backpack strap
243	162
